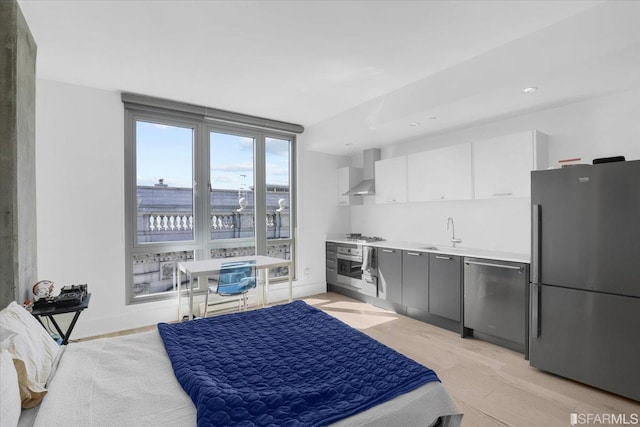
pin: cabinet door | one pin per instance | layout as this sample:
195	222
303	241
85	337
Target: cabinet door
390	275
445	282
440	174
331	263
391	180
415	280
502	166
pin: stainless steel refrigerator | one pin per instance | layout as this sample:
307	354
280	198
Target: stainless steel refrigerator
585	275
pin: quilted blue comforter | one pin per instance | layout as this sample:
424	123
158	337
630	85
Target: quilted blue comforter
287	365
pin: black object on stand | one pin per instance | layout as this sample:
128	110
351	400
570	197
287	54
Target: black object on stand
53	309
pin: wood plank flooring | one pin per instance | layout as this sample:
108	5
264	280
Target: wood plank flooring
492	385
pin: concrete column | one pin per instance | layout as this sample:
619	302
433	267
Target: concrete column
18	260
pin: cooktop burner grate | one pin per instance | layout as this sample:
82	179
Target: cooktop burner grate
358	238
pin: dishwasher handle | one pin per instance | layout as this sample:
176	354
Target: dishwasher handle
489	264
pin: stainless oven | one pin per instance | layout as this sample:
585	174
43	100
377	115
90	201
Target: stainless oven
350	271
349	261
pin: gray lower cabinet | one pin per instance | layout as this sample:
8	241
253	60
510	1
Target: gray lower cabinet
415	280
445	284
485	298
332	263
390	275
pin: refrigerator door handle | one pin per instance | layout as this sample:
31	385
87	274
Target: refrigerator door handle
536	314
535	242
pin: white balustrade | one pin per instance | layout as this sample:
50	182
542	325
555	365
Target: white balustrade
222	222
166	222
270	221
183	222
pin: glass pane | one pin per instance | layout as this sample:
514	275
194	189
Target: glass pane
155	273
232	198
278	182
164	179
279	251
229	252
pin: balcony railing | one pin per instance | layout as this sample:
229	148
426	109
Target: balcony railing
165	222
174	226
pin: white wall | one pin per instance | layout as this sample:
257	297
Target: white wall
599	127
80	195
80	207
319	213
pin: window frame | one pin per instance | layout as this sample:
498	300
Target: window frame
202	244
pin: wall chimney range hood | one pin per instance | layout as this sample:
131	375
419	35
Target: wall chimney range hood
367	187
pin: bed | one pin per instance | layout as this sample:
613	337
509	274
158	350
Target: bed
182	374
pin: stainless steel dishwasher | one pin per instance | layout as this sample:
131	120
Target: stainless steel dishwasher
496	301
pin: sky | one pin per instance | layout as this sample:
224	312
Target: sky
166	152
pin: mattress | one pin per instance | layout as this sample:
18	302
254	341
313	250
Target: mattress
129	380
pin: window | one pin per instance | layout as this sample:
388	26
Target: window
278	183
164	205
199	187
231	161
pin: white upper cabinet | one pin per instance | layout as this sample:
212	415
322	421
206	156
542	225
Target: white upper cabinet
347	178
440	174
502	166
391	180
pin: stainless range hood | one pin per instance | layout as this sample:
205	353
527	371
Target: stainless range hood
367	187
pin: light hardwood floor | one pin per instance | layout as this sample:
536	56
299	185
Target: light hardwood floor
492	385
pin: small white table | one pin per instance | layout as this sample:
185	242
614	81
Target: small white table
204	268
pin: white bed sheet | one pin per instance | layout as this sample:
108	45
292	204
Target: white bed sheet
119	381
129	380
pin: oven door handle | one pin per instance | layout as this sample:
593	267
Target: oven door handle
349	257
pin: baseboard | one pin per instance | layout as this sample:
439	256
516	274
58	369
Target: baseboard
141	315
280	291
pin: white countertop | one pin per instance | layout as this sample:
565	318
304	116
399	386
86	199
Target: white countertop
441	249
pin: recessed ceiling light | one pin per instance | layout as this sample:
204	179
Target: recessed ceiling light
413	124
531	89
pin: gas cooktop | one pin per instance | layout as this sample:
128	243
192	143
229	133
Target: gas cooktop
359	238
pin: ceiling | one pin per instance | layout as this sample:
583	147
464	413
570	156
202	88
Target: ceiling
355	74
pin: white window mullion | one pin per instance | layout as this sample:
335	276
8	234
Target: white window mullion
202	190
261	196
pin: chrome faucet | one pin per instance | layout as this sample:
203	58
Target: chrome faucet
454	240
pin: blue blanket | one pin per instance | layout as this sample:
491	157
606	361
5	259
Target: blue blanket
287	365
